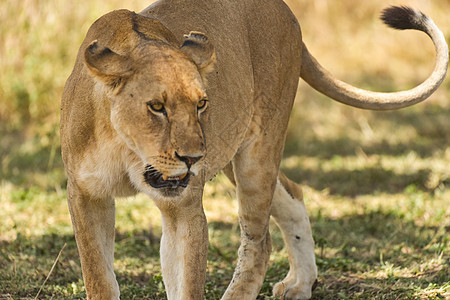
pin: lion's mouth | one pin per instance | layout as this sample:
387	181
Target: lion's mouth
157	180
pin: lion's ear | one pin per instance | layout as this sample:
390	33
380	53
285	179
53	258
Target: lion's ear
197	46
107	66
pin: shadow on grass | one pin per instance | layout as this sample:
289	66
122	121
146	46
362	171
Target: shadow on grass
359	182
430	123
346	146
379	253
395	287
30	161
25	263
375	232
348	249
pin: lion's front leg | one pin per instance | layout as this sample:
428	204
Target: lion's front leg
255	175
93	224
184	247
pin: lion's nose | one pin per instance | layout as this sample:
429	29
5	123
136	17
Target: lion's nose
188	160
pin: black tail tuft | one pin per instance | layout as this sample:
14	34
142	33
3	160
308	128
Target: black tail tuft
403	17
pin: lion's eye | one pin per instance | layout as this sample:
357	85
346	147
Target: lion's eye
156	107
202	104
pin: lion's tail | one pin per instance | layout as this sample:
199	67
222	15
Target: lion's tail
399	18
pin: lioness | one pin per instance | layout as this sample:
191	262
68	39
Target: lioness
160	101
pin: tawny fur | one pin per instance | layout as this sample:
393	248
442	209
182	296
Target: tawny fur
137	106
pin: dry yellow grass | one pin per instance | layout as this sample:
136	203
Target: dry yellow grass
376	184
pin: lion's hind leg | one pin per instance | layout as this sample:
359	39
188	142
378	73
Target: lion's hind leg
289	212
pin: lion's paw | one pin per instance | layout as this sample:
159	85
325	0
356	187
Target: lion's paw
291	289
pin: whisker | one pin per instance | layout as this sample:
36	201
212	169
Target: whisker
149	168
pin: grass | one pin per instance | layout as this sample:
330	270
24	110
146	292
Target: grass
376	184
385	246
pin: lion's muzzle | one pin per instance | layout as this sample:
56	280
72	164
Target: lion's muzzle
157	180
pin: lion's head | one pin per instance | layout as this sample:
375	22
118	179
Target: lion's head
157	97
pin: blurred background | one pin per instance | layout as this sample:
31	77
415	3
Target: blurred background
39	41
351	162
